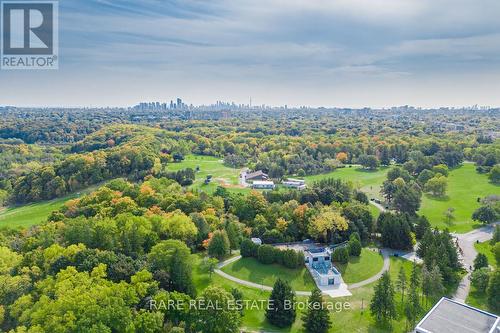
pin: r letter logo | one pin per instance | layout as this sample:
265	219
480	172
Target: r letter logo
29	35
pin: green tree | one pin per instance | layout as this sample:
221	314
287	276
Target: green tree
219	244
355	247
281	309
171	260
316	318
341	255
480	261
496	252
407	199
496	235
413	307
485	214
233	234
449	216
219	313
382	306
209	265
369	161
248	248
436	185
266	254
401	283
480	279
495	174
493	291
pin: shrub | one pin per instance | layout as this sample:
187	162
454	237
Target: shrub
355	247
265	254
301	259
290	258
341	255
248	248
278	256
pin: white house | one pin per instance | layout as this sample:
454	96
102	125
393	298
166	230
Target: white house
318	261
256	241
298	184
263	184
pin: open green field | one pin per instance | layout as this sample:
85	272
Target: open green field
485	248
361	268
250	269
465	186
209	165
28	215
366	180
35	213
353	313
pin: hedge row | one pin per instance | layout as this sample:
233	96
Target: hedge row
267	254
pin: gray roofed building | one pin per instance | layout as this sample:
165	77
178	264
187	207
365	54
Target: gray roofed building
257	175
449	316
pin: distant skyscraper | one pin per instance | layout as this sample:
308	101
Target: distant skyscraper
179	103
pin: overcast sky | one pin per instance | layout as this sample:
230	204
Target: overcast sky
296	52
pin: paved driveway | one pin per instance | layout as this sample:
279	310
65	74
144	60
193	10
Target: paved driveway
468	254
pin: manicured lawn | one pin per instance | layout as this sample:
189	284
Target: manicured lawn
361	268
28	215
251	270
353	314
476	298
367	181
485	248
31	214
465	186
209	165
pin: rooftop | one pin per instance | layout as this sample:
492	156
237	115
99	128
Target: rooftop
449	316
263	182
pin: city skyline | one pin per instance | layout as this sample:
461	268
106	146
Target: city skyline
315	53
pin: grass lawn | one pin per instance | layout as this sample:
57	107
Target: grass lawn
361	268
476	298
485	248
465	185
374	210
31	214
365	180
35	213
209	165
353	317
251	270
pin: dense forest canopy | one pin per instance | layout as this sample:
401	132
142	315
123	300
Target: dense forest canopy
97	262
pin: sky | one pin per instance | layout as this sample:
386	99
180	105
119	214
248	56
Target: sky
346	53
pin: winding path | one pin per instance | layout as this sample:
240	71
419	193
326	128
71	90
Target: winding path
385	268
385	253
245	282
466	243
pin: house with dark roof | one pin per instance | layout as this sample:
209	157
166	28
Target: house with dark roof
450	316
256	175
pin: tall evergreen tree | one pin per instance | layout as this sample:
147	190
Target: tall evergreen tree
382	305
401	283
413	306
281	309
316	318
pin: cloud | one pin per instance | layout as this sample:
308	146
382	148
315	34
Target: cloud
216	47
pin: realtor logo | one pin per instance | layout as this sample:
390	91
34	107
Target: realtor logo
29	35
